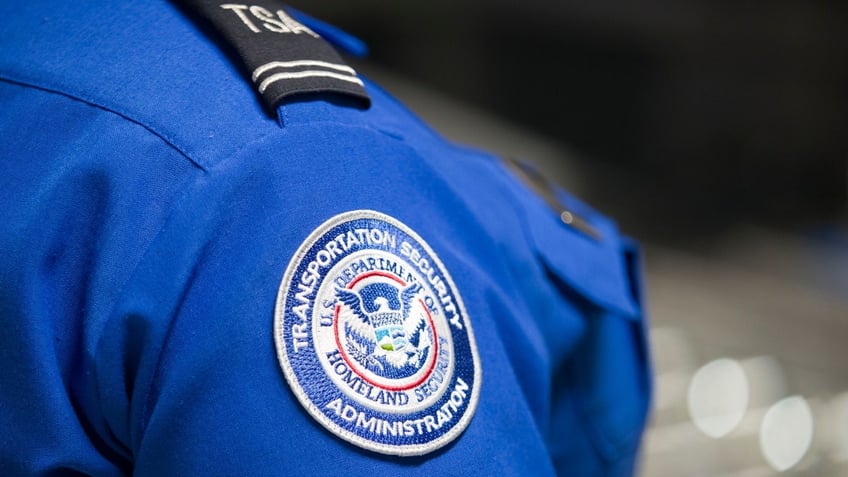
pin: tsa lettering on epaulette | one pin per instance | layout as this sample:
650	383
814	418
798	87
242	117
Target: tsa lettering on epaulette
284	57
373	337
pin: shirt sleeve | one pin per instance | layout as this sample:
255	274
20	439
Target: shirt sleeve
85	192
194	327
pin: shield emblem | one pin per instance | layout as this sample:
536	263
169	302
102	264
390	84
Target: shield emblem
389	332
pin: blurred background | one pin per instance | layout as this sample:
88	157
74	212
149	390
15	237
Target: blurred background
714	131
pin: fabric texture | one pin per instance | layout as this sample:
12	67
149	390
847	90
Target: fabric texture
150	207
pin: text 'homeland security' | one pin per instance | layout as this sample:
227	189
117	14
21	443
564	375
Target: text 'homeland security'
362	387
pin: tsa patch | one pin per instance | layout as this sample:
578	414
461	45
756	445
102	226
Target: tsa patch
373	337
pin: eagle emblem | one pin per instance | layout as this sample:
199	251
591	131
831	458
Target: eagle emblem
381	330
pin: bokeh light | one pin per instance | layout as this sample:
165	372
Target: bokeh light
786	432
718	397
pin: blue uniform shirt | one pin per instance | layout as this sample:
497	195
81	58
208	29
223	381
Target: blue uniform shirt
158	229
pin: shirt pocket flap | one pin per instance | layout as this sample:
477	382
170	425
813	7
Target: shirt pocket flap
608	373
594	267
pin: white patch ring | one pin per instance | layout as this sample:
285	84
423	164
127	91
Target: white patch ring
291	377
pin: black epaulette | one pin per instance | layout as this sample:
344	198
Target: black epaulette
283	57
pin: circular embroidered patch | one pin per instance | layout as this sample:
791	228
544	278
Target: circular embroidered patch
373	337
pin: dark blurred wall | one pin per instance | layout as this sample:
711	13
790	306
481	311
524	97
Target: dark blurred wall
697	110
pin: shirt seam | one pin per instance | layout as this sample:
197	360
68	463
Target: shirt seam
5	77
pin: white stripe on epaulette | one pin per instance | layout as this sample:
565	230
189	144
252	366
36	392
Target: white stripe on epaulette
294	64
306	74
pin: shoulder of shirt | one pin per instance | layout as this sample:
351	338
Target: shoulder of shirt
149	63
